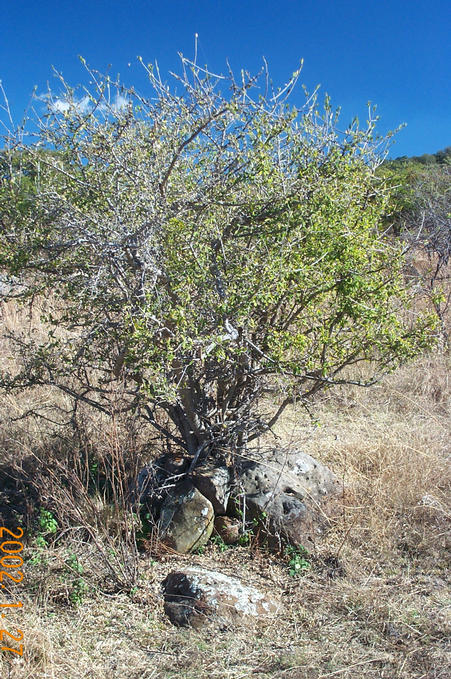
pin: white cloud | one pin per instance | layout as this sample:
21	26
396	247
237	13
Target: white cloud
83	105
65	105
60	106
120	103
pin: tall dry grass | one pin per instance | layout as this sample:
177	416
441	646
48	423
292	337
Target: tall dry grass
375	603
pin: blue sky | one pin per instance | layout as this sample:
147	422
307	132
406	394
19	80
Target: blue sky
393	53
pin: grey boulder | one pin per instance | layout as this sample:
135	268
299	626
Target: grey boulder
291	493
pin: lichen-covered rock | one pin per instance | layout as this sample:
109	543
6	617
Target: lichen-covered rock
196	595
186	519
214	482
294	492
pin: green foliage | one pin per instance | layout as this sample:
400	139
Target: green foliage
219	542
47	527
199	245
244	538
146	525
421	205
298	562
74	572
252	528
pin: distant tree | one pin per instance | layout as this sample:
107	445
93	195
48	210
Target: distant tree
420	213
444	156
440	157
201	246
421	205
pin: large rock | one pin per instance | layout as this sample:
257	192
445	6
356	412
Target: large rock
196	595
162	472
291	492
186	519
214	482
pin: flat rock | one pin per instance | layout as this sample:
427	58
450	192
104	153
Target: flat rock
186	519
195	595
294	492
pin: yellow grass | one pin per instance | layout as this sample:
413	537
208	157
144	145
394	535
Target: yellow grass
375	604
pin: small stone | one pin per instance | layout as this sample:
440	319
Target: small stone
228	529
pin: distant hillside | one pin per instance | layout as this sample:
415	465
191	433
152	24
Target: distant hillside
442	157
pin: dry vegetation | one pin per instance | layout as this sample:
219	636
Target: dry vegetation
375	603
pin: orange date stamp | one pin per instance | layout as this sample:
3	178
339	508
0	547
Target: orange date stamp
10	562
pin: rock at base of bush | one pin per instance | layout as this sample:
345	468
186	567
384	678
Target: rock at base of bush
186	519
291	493
214	482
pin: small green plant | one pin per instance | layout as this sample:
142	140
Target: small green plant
259	521
245	538
78	592
94	470
219	542
37	555
253	530
47	526
79	584
145	526
41	542
199	550
298	563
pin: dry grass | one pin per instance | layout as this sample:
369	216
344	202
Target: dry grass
375	604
